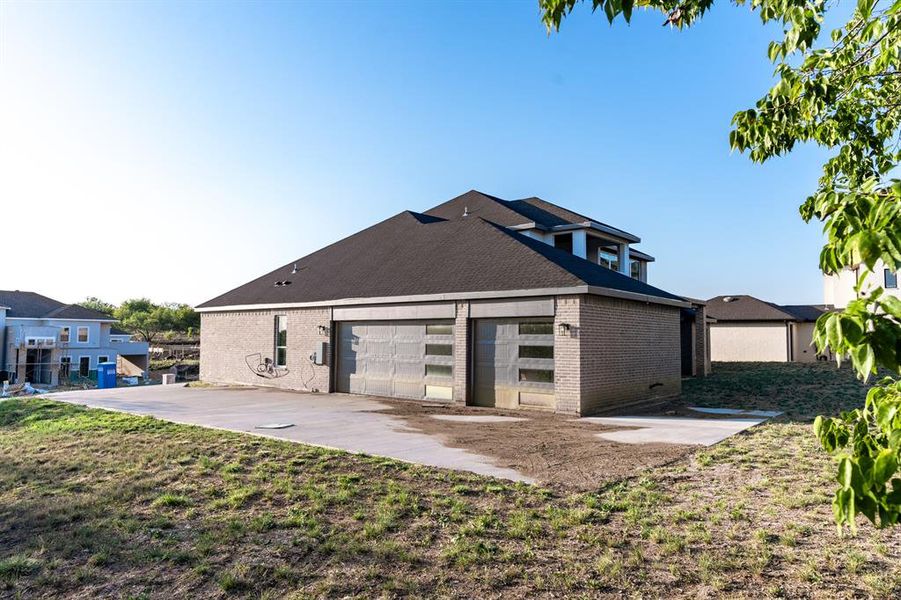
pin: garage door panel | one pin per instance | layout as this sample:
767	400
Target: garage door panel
390	358
378	387
408	370
409	350
498	363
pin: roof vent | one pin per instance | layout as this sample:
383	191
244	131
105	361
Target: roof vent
729	299
282	283
294	270
465	211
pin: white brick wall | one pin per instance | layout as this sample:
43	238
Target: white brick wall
227	338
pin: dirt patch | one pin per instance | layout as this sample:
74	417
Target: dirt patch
557	450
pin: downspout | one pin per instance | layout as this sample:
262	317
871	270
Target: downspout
3	353
791	345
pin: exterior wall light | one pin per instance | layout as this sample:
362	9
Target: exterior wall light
564	328
323	330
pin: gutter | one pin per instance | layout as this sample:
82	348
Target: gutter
61	319
561	291
612	231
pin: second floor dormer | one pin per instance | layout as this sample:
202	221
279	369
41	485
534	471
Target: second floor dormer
564	229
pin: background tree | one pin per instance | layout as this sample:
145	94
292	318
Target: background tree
841	91
99	305
150	320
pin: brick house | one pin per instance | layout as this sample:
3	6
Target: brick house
482	301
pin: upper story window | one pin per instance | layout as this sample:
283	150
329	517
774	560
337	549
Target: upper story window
564	241
281	341
891	279
608	258
64	334
635	269
83	335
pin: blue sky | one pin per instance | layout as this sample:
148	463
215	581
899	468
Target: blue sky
193	146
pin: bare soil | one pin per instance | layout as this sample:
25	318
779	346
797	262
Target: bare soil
557	450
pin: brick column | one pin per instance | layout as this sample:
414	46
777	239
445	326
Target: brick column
567	356
462	345
701	349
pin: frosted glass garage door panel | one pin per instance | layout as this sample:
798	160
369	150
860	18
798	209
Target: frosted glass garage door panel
389	358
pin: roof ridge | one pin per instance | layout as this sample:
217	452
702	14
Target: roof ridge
554	204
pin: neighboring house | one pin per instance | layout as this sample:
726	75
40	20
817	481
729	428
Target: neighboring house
133	356
479	300
749	329
46	342
838	289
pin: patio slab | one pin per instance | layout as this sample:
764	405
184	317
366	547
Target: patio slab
478	418
671	430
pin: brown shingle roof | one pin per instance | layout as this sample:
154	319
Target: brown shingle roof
413	254
804	312
740	307
29	305
510	213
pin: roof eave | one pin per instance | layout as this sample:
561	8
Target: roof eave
606	229
640	255
60	319
445	297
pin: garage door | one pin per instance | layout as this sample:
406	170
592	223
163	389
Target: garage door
400	359
514	363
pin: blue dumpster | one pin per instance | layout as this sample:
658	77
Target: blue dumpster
106	375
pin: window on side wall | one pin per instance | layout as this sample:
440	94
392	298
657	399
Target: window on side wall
635	269
281	341
64	334
891	279
83	335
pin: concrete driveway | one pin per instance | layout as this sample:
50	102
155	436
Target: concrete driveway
339	421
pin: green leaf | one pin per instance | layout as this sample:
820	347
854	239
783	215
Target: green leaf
845	472
885	465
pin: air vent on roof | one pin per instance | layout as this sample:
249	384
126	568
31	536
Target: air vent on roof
282	283
729	299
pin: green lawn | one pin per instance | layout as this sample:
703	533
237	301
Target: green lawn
94	504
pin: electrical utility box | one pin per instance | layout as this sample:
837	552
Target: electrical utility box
320	353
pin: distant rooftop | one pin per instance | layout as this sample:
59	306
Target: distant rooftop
29	305
741	307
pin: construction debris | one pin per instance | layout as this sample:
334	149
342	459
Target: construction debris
21	389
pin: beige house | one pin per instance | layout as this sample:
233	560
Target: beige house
838	289
747	329
480	301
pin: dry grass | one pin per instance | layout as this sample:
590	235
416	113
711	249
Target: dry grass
94	503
